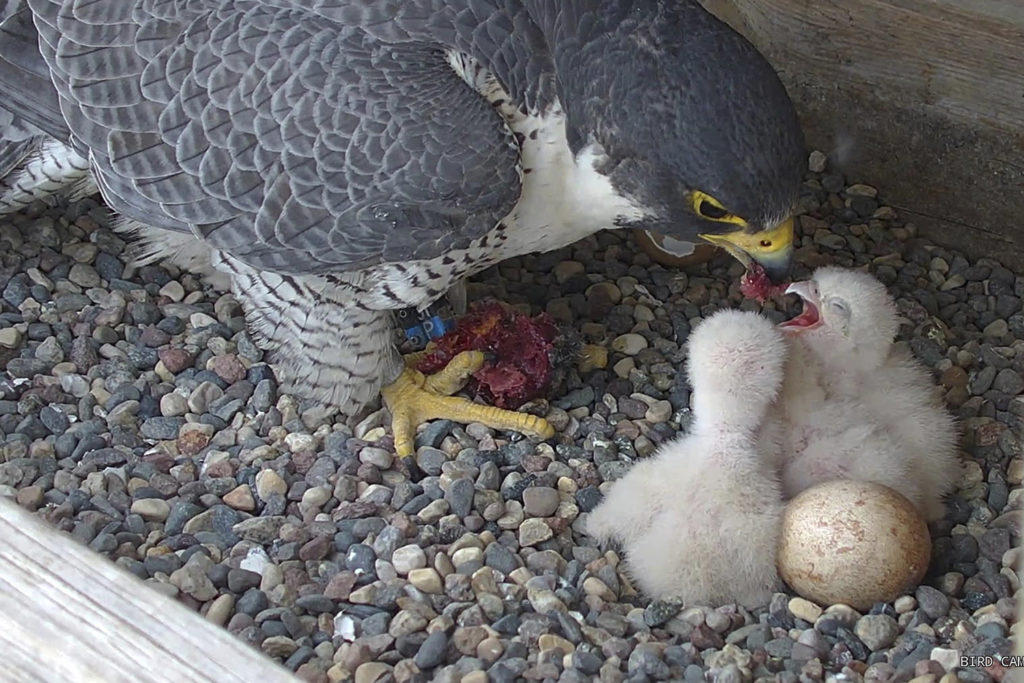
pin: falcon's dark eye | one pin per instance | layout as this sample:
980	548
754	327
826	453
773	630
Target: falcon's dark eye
712	211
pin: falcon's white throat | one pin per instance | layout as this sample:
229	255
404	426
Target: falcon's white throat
563	197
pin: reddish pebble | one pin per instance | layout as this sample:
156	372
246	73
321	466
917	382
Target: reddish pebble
704	638
536	463
175	360
354	510
153	336
161	461
227	367
369	473
296	576
221	468
316	549
340	586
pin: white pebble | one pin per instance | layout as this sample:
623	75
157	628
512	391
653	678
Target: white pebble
385	570
407	558
905	604
624	367
315	497
256	560
804	609
197	320
345	626
466	555
434	511
660	411
948	658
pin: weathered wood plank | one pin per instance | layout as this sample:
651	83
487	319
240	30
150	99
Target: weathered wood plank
924	98
69	615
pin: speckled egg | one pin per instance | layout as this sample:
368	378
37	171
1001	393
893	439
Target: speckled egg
852	542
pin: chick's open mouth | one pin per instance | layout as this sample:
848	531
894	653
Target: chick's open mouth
810	315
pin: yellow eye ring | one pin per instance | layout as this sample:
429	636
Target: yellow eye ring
709	208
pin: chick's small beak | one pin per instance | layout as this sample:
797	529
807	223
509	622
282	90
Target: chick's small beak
806	290
772	249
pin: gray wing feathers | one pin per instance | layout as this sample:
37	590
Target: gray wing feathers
100	12
298	137
143	156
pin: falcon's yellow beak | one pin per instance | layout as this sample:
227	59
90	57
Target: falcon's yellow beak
772	249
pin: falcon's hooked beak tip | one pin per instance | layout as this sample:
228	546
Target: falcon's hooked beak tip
772	249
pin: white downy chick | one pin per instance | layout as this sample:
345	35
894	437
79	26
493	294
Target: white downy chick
843	345
699	520
840	439
825	437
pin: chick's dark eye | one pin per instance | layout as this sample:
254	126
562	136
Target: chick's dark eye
709	210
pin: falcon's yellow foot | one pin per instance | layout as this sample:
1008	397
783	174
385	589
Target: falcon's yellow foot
415	398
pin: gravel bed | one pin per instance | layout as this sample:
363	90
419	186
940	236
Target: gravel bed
139	417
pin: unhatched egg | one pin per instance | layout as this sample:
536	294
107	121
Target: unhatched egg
852	542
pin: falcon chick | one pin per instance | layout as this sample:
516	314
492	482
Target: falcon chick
864	386
699	520
343	161
823	438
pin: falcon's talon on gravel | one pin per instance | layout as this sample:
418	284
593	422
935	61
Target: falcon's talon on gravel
415	398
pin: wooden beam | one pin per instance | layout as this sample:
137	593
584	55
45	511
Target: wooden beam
923	98
67	614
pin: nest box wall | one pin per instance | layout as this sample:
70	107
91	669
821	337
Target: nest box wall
922	98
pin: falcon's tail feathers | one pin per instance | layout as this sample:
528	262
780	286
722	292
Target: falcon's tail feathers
184	250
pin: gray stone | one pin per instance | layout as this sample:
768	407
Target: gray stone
430	460
162	428
501	558
932	601
877	631
1008	382
460	496
540	501
432	652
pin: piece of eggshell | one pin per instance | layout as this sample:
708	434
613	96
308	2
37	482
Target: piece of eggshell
852	542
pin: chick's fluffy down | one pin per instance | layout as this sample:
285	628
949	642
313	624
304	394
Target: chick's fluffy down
699	520
720	545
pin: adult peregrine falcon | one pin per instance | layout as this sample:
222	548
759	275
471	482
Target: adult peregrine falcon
344	159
